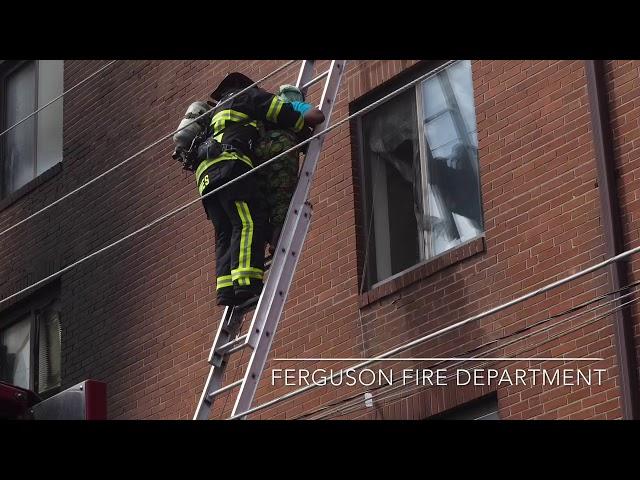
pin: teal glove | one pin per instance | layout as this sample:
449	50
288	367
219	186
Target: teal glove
301	107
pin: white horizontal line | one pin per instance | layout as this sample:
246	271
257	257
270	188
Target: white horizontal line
421	359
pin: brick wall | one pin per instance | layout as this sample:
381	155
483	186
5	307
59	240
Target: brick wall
142	315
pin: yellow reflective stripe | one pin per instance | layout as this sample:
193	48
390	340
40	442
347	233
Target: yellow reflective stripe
242	236
299	124
229	115
250	270
218	129
274	109
224	281
205	164
240	276
275	115
245	235
243	273
250	239
218	122
271	107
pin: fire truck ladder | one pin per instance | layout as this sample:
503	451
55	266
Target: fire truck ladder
268	307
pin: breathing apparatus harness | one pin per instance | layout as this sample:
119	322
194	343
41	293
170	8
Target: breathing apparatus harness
195	143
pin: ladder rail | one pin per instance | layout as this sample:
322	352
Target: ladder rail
227	329
269	310
275	271
270	304
298	200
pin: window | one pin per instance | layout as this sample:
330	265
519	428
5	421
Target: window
35	145
482	409
421	176
30	348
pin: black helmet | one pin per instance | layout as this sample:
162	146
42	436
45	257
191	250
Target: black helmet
233	80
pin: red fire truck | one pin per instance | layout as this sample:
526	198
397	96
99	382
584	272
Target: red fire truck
85	401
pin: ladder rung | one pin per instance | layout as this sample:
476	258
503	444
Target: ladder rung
232	346
315	80
215	393
268	307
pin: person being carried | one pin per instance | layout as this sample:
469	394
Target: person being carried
237	211
278	180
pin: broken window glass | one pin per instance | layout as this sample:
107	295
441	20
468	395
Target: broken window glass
420	163
392	159
451	154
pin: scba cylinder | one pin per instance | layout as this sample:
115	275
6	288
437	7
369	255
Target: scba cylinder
185	136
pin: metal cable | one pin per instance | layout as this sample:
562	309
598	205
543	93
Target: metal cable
498	347
582	325
313	137
443	330
200	198
387	394
513	340
58	97
140	152
384	397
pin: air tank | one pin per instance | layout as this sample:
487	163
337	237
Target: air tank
184	137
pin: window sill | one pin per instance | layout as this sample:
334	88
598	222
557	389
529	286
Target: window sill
423	270
27	188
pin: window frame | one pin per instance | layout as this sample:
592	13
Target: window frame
367	261
31	310
7	68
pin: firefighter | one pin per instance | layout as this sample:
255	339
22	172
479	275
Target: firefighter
278	180
238	211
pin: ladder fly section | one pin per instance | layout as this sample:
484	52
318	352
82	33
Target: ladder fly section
268	307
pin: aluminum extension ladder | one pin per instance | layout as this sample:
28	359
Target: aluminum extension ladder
268	307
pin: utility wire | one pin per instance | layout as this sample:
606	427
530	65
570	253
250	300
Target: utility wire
417	341
348	404
58	97
215	190
498	347
313	137
548	327
387	398
542	330
140	152
505	344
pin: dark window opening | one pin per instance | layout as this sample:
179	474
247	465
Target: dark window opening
30	345
485	408
421	176
33	146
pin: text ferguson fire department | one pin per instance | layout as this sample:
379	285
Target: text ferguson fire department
439	377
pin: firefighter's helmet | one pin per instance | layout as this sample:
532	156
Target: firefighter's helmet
290	93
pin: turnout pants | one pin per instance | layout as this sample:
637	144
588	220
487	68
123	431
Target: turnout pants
239	216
